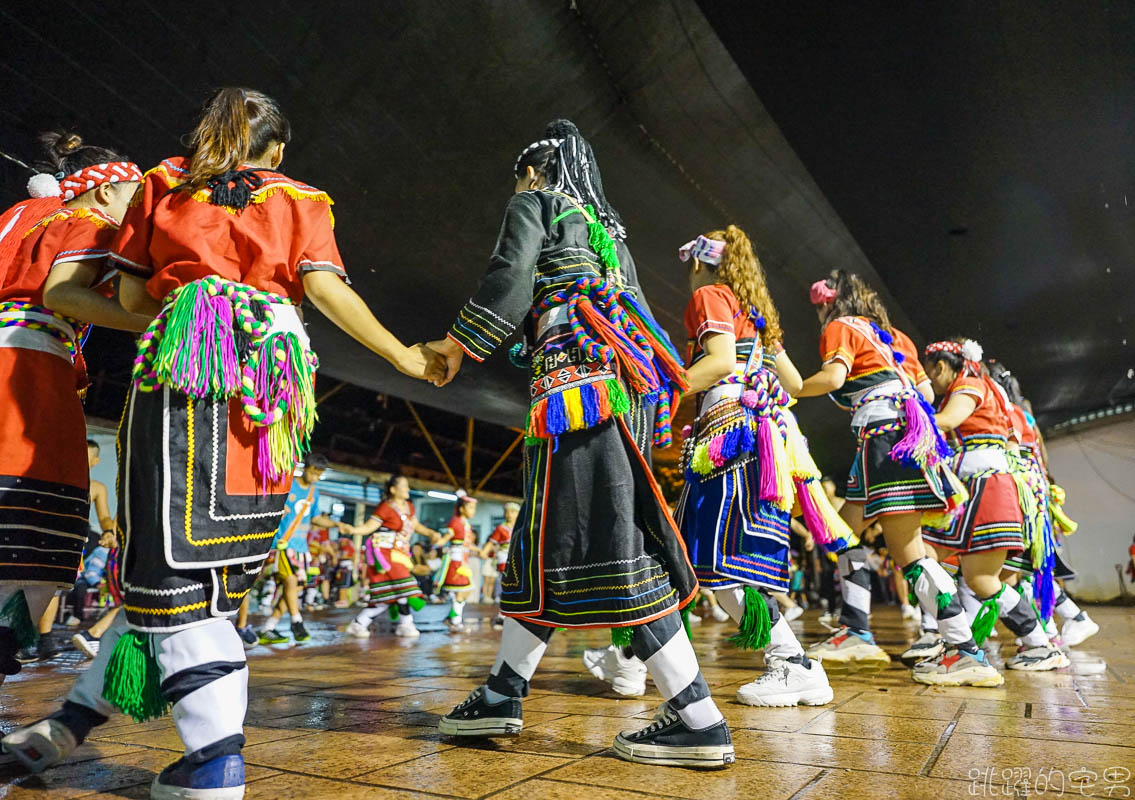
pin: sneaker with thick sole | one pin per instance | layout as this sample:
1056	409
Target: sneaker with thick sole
627	675
273	637
455	625
248	637
910	614
720	614
220	778
41	744
1075	631
796	612
86	644
498	623
474	716
929	645
846	645
299	633
407	630
73	621
1037	659
668	742
955	667
787	683
357	630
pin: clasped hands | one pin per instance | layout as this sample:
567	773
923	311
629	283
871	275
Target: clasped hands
437	362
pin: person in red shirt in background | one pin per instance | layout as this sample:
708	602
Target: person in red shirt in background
455	576
222	248
53	277
497	545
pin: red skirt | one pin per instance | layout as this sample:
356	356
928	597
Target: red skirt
991	520
44	479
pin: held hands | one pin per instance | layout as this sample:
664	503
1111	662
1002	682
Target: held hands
419	361
452	355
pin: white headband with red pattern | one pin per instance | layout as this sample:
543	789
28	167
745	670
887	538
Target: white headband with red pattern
73	185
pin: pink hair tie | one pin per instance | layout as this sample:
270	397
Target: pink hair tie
822	293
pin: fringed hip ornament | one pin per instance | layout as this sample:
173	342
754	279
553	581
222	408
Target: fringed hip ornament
1057	496
827	527
608	326
212	342
922	446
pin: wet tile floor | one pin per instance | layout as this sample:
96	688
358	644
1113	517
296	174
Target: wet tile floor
347	719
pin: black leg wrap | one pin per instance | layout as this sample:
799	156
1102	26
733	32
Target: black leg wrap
79	719
183	683
650	637
697	690
508	682
1022	618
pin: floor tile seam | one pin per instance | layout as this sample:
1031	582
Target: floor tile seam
807	787
354	779
537	775
640	792
833	708
943	740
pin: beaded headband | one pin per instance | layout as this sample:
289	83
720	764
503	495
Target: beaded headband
73	185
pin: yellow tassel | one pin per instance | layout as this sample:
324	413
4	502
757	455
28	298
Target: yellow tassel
700	463
573	407
836	526
800	461
785	491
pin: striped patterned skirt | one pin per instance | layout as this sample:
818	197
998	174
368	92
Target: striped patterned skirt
991	520
884	486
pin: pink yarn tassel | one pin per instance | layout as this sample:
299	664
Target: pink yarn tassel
230	364
715	450
813	519
769	490
916	443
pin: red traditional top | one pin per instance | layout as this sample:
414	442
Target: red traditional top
65	235
852	342
501	535
391	518
460	528
715	309
989	418
173	237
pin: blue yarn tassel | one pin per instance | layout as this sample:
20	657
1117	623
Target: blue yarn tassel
557	415
731	443
746	441
589	397
941	446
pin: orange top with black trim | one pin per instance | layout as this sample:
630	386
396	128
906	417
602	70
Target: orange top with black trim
852	342
715	309
65	235
173	237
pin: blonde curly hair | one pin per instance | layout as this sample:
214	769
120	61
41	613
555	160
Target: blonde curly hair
741	271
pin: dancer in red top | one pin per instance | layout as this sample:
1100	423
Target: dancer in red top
53	274
455	576
222	247
388	562
495	554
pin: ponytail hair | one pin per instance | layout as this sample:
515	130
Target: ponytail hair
855	298
236	125
65	153
741	271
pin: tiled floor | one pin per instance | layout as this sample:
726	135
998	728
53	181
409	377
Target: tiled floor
346	719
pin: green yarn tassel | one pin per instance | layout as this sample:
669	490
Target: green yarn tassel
601	242
417	603
686	623
617	398
756	625
943	599
133	682
392	612
912	574
19	619
986	619
621	637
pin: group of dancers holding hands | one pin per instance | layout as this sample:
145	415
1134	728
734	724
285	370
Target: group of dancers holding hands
208	258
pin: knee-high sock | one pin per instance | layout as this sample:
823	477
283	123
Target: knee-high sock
732	601
970	601
782	641
1019	616
938	595
367	615
404	614
855	588
669	657
456	608
1066	607
204	677
522	646
930	622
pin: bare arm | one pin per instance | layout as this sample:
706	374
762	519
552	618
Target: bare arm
68	291
831	378
789	376
134	297
957	410
424	531
323	521
368	527
926	390
98	496
343	306
719	361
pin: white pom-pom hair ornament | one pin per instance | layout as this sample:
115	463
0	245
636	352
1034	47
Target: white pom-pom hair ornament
971	350
43	184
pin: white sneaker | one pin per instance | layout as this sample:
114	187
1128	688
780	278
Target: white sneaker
407	630
1037	659
844	646
1050	629
796	612
786	683
720	614
41	744
694	619
928	645
87	645
357	631
826	619
455	625
72	621
909	612
627	676
1075	631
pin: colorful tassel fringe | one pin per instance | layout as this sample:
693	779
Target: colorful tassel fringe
576	409
621	637
133	679
756	625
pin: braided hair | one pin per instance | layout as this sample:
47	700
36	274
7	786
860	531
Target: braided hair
567	164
